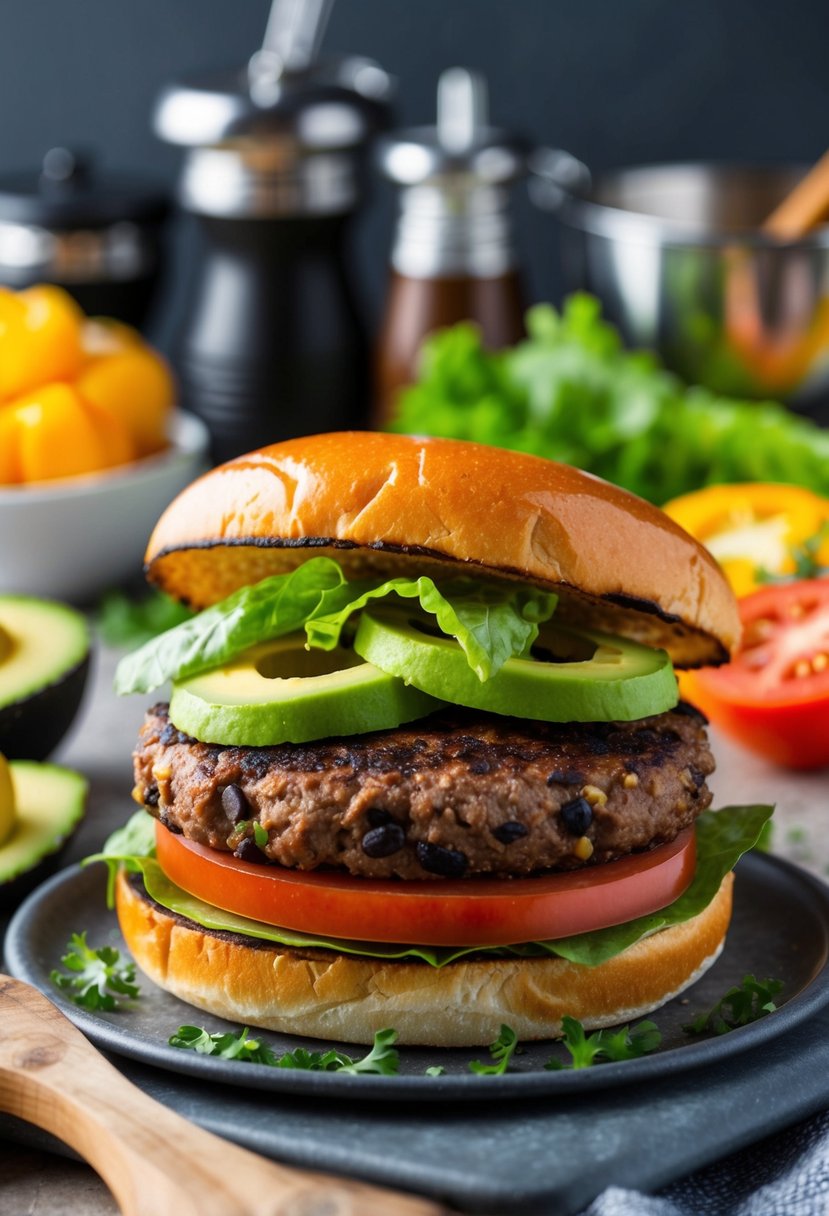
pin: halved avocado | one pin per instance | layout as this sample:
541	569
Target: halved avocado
44	663
49	804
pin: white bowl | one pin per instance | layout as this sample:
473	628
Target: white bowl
75	538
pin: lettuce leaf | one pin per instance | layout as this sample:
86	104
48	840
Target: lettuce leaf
269	609
490	623
722	838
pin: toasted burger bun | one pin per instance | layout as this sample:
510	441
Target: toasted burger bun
400	504
345	998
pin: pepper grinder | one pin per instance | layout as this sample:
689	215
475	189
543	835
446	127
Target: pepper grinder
452	258
272	344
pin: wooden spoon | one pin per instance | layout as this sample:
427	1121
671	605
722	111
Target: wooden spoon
152	1160
804	207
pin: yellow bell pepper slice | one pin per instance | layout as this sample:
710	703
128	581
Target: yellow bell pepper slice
753	529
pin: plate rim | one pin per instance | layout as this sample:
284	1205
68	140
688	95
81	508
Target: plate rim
539	1083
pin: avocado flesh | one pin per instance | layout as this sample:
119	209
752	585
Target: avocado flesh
572	675
49	803
44	663
280	692
7	806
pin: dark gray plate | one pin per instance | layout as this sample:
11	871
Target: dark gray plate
780	929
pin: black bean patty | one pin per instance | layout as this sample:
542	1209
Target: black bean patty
460	792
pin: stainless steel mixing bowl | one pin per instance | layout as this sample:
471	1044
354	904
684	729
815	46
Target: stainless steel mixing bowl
675	254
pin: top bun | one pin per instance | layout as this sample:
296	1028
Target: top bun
386	504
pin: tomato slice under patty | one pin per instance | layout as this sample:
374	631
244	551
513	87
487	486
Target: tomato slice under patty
773	697
465	912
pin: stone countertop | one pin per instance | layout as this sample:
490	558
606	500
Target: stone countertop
100	744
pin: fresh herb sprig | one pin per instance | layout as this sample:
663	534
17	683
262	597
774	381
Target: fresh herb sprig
228	1046
383	1059
746	1002
97	977
502	1051
601	1046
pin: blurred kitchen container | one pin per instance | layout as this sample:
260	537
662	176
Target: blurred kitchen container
73	539
97	235
676	256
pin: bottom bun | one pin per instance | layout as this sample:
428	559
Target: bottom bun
346	998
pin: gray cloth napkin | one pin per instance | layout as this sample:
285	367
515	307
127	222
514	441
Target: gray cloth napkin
784	1175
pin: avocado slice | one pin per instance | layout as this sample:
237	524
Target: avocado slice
570	675
49	804
279	692
44	663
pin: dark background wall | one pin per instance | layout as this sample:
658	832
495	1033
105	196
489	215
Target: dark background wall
614	81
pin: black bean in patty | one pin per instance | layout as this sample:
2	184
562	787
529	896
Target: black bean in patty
248	850
384	841
234	803
509	832
577	816
449	863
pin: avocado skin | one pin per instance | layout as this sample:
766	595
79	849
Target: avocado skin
51	803
32	728
16	889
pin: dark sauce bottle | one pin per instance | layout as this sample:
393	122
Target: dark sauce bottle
453	257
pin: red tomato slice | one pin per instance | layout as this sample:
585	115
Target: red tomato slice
773	697
467	912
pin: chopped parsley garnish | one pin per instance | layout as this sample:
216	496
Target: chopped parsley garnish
601	1046
97	978
382	1059
229	1046
502	1051
746	1002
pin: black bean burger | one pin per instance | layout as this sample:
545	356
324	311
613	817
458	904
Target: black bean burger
424	764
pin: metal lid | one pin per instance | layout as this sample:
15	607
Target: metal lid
462	144
334	105
69	192
284	90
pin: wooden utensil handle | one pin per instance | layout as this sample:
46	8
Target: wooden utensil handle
806	206
153	1161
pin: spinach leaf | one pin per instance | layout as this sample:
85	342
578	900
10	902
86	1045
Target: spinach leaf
269	609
